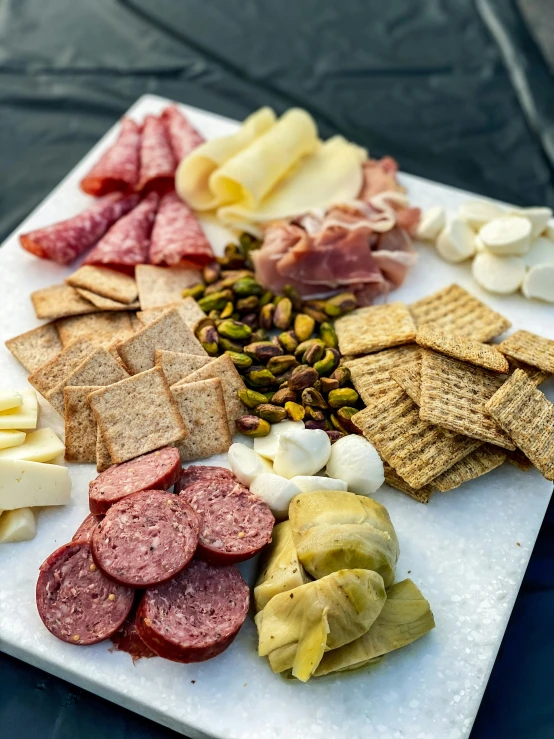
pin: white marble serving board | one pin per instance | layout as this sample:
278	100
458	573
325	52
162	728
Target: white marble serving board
467	551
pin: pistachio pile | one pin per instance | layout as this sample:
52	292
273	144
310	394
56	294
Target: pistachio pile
285	349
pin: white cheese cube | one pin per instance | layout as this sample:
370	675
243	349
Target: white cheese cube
11	438
24	417
18	525
40	446
10	399
24	484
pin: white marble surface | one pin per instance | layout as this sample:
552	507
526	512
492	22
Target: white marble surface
467	550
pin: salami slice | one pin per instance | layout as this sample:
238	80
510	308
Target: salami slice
76	601
200	472
84	532
127	639
157	162
234	523
127	242
157	470
64	241
146	538
177	237
183	136
196	615
118	168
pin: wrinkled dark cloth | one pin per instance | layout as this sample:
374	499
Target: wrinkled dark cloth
455	90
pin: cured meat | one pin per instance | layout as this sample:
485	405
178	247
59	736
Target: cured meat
127	242
157	161
127	639
182	134
65	241
379	176
157	470
200	473
76	601
177	237
234	523
118	168
394	254
84	532
196	615
146	538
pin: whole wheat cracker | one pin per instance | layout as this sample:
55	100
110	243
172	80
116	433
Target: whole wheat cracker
136	325
530	348
176	365
80	425
99	328
103	459
106	282
462	348
50	374
536	376
519	460
59	301
160	286
371	375
103	303
408	376
36	347
393	479
483	460
190	312
375	327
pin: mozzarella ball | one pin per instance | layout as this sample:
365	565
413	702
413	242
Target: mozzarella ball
502	275
267	445
354	460
247	464
276	491
303	452
312	483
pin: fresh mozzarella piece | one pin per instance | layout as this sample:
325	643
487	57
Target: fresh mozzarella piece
10	399
303	452
313	483
23	417
539	283
539	218
541	252
356	461
479	246
479	212
431	224
502	275
11	439
507	236
276	491
39	446
247	464
267	445
24	484
549	233
18	525
456	242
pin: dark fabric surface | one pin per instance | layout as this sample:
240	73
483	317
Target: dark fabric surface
456	91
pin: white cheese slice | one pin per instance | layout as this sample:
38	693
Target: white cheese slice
10	399
24	484
23	417
539	218
479	212
40	446
456	242
541	252
502	275
11	439
18	525
509	236
431	224
539	283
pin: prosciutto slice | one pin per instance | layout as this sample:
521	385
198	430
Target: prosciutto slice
380	176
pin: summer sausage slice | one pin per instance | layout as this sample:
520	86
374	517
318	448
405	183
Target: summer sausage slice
157	470
76	601
146	538
200	472
84	532
234	523
196	615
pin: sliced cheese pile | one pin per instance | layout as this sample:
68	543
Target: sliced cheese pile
512	249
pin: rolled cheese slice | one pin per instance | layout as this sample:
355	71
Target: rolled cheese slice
539	283
502	275
507	236
26	484
17	525
456	242
40	446
10	399
479	212
538	216
10	439
431	223
23	417
541	252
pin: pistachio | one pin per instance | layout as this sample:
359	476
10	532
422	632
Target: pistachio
227	311
328	335
215	315
294	296
283	396
269	395
251	398
253	426
294	410
250	319
310	396
334	435
266	316
326	365
215	301
234	330
196	291
281	364
283	378
260	334
344	416
340	304
327	384
304	377
314	413
342	375
288	341
209	339
240	360
247	286
283	314
249	304
342	397
263	350
303	326
207	321
303	347
230	346
246	240
313	354
318	315
211	273
336	423
223	284
259	376
271	413
235	316
266	298
299	368
311	424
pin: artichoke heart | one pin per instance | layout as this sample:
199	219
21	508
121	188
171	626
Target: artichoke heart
335	530
405	617
280	569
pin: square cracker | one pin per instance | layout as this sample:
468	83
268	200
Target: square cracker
483	460
103	459
190	312
456	311
175	365
536	376
393	479
103	303
106	282
519	460
168	332
417	450
408	376
526	414
99	328
80	426
453	396
162	285
137	415
99	368
202	407
462	348
530	348
59	301
376	327
36	347
53	372
231	383
370	375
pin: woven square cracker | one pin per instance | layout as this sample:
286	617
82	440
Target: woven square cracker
188	308
393	479
80	425
103	303
417	450
453	396
59	301
483	460
106	282
462	348
376	327
519	460
370	375
168	332
137	415
161	286
99	328
536	376
103	459
202	407
526	414
36	347
175	365
408	376
530	348
48	375
456	311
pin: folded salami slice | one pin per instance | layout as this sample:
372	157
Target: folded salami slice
200	472
118	168
84	532
127	242
157	161
194	616
177	237
182	134
76	601
64	241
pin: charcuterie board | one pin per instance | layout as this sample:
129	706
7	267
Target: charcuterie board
468	551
